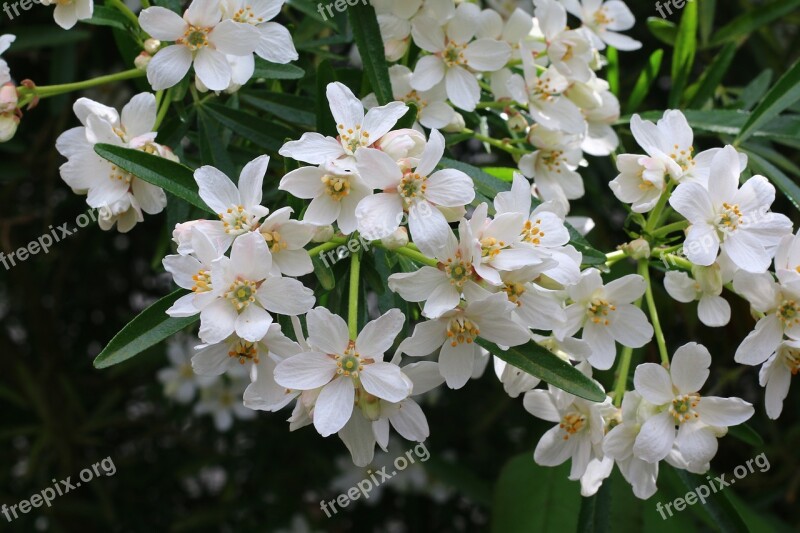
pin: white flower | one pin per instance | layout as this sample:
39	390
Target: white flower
600	138
433	111
274	41
725	216
239	208
349	372
201	38
605	19
193	271
394	19
553	166
514	380
455	56
223	401
244	289
787	259
780	309
568	50
5	43
776	375
455	332
640	181
606	315
334	193
416	190
9	114
179	380
286	239
619	442
675	395
120	196
356	130
69	12
706	287
536	307
578	433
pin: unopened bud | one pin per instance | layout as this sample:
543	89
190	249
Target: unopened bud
151	46
637	249
323	234
142	60
456	125
8	126
517	122
396	240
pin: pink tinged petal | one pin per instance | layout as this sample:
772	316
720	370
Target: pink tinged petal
385	381
212	360
410	422
487	55
689	367
455	364
552	449
626	289
357	436
723	412
313	148
253	323
379	215
630	327
714	311
378	335
450	188
168	67
348	111
747	252
213	69
653	382
380	120
692	200
378	169
429	228
427	338
702	244
696	442
540	404
204	13
334	406
655	439
462	88
275	44
430	70
305	182
285	296
162	24
217	321
250	257
434	150
305	371
327	332
428	34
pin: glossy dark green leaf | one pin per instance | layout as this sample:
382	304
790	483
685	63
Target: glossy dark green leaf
664	30
275	71
150	327
107	16
712	77
783	182
645	81
326	125
288	107
408	120
684	53
270	136
367	33
746	23
717	504
783	94
595	515
745	433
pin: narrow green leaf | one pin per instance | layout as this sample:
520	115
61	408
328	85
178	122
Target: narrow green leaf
684	53
213	150
783	182
746	23
712	77
645	81
106	16
612	69
170	176
250	127
326	125
747	434
152	326
368	38
288	107
663	30
276	71
485	183
539	362
783	94
717	504
755	90
595	515
707	10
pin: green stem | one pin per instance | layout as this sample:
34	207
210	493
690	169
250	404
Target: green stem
126	11
352	309
417	256
496	143
325	247
54	90
613	257
622	374
644	271
162	112
666	230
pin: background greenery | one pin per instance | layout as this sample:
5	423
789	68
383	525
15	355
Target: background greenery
60	414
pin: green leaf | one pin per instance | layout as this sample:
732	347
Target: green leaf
538	361
529	498
706	16
368	38
152	326
783	182
170	176
106	16
755	90
326	125
288	107
485	183
684	53
501	173
664	30
782	95
746	433
595	515
213	149
276	71
612	69
712	77
250	127
746	23
645	82
324	273
717	504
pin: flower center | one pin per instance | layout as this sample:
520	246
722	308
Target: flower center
514	291
598	311
457	270
683	157
117	174
532	233
682	408
601	18
461	330
453	54
274	241
194	38
242	293
236	220
791	359
490	247
542	90
246	16
337	187
353	138
411	186
729	218
202	281
414	97
572	423
244	351
350	363
552	160
788	312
